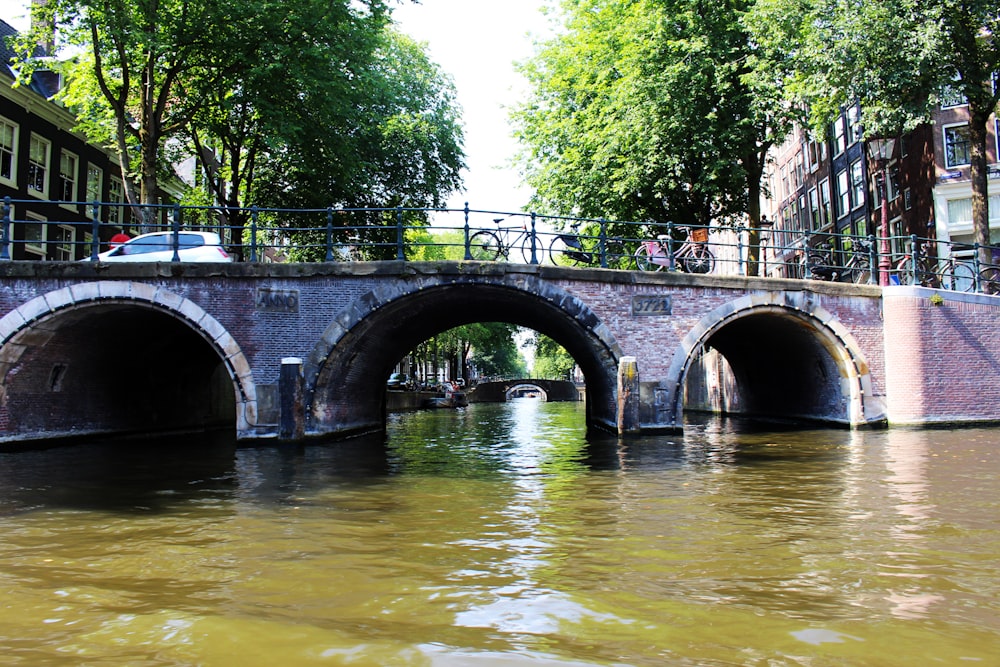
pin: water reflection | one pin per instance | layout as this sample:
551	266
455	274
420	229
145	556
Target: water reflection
507	535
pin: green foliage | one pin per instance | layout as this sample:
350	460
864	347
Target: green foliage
307	104
647	111
552	361
894	57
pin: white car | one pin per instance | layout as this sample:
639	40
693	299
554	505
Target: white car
159	247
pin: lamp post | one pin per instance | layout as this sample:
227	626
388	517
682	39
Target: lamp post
880	150
765	237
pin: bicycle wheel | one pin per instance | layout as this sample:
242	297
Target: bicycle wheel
617	255
959	277
699	260
485	246
989	280
861	270
562	253
526	249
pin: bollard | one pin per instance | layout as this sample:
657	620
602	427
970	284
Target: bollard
290	384
628	395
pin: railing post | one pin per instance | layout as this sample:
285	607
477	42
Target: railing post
253	233
670	246
602	243
915	260
176	230
534	239
975	266
400	253
805	249
5	232
872	260
468	250
739	249
95	241
329	233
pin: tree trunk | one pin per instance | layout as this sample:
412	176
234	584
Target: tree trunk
978	172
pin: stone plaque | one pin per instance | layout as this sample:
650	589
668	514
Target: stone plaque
650	304
277	300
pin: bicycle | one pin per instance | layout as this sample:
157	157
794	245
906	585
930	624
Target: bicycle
692	256
583	249
488	245
949	274
857	270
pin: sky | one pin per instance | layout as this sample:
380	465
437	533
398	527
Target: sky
477	42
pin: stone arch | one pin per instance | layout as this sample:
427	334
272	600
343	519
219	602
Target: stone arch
526	386
358	349
38	320
794	318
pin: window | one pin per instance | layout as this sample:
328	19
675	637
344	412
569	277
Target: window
843	198
34	236
956	146
857	183
63	237
95	183
814	218
960	211
893	184
8	152
839	136
952	96
38	166
116	195
854	129
67	176
824	203
907	199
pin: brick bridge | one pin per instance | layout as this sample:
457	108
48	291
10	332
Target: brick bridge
135	348
501	390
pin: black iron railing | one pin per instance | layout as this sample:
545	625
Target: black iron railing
82	231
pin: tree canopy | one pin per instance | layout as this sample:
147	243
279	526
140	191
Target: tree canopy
896	58
308	103
648	111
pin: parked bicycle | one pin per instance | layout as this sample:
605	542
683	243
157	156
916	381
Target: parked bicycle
574	248
944	273
488	245
692	254
857	269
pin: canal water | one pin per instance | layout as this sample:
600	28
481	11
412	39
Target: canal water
504	535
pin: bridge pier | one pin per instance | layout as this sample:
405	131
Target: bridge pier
628	396
291	387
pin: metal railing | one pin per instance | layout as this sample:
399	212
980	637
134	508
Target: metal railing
75	231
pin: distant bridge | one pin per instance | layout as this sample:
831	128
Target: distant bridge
502	390
293	350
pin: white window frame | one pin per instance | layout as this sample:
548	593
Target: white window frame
825	204
45	165
857	183
839	135
948	152
64	248
37	246
68	178
95	185
9	152
843	194
116	195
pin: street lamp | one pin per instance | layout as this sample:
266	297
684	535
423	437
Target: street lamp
880	150
765	237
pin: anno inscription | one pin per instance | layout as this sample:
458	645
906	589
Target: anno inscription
277	301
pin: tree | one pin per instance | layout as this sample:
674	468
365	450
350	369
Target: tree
324	106
649	111
894	57
552	361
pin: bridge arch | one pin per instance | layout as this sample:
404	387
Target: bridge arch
789	356
94	341
344	375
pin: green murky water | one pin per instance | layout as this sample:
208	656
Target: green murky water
501	535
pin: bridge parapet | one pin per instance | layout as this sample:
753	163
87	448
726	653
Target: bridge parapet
80	338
